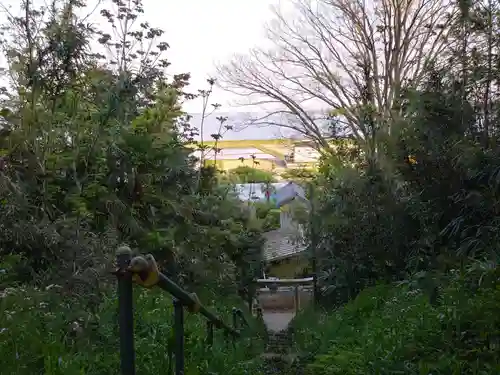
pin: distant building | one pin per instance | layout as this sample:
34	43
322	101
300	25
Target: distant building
284	253
269	155
257	191
305	153
275	148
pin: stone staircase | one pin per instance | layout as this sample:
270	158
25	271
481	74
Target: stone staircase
279	342
278	357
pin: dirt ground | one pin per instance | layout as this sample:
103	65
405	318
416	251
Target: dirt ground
277	321
283	300
278	308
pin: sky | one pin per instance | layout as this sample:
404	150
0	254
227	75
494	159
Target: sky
200	33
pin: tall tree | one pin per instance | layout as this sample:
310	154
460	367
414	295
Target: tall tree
345	57
93	152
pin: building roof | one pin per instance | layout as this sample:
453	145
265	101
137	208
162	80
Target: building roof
289	192
281	244
255	191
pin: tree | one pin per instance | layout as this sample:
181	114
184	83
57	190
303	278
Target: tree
351	59
94	152
245	175
298	174
438	208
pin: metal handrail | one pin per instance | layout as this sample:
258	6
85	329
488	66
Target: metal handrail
238	313
144	271
187	299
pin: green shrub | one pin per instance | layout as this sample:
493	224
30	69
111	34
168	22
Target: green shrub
41	333
395	330
248	175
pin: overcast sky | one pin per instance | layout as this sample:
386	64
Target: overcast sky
200	33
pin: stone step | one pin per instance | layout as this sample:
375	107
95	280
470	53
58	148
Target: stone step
278	343
278	363
279	357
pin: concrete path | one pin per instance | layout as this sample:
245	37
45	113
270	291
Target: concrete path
277	321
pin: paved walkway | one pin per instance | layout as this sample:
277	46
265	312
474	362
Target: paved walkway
277	321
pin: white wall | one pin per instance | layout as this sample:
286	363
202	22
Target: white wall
304	154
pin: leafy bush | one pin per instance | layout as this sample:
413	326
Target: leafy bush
396	330
429	200
113	165
247	175
268	214
93	154
298	175
42	333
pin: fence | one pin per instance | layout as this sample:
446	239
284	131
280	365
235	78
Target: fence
143	271
284	298
285	294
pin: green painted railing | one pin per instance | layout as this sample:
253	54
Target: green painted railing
143	271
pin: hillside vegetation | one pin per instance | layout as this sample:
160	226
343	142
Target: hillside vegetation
92	156
403	222
44	333
397	329
405	225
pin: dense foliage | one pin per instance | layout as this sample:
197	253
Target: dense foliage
42	333
428	197
268	214
403	221
419	215
249	175
391	329
93	155
298	175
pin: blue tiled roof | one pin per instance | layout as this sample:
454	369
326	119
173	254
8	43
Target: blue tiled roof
255	191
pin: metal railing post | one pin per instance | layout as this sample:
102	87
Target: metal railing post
126	311
179	337
297	303
210	333
235	323
235	318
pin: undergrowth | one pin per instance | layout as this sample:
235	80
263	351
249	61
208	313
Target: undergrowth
394	329
40	333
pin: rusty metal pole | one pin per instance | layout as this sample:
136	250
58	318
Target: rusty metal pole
126	312
179	336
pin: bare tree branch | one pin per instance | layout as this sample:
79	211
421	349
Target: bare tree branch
322	50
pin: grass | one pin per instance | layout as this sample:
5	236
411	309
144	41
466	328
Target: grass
393	329
42	332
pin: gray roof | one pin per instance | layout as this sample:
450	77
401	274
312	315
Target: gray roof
254	191
281	244
288	192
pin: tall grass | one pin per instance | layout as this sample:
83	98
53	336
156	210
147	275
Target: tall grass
42	332
394	329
